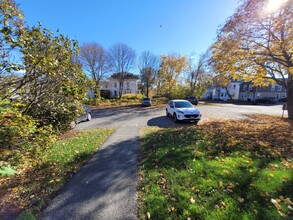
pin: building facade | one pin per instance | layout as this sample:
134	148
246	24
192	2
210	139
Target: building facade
111	87
245	91
224	94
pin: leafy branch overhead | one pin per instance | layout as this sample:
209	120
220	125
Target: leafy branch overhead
256	44
46	78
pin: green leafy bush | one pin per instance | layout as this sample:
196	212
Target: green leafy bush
21	135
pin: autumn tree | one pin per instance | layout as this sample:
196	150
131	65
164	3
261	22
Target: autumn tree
94	60
148	66
171	69
198	76
255	44
49	86
121	59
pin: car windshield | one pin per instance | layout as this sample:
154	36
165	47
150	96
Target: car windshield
146	99
183	104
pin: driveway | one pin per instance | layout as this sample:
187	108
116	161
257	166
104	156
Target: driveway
141	117
105	188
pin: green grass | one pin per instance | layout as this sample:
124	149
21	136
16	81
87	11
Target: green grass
187	174
42	177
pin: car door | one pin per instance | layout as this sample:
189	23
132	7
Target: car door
170	107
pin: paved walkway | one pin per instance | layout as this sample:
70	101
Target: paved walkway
105	188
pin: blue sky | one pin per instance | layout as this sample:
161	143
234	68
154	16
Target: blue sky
187	27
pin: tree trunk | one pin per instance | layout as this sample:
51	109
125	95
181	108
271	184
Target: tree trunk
147	91
290	99
229	94
120	89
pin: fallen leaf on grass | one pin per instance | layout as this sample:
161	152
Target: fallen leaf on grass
282	214
148	215
288	201
276	203
241	200
192	200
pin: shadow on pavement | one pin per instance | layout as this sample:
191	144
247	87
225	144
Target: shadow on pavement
165	122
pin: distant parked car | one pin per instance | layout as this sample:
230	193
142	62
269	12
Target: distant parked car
266	100
193	100
283	100
86	116
182	110
146	102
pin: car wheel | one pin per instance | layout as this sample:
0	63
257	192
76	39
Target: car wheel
175	118
88	117
167	113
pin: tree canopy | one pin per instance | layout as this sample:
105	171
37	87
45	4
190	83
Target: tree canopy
171	69
255	44
45	78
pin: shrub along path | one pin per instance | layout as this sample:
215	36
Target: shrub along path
105	188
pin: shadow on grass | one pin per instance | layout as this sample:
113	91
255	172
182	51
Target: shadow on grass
193	156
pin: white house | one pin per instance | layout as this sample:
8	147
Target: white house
220	93
111	86
245	91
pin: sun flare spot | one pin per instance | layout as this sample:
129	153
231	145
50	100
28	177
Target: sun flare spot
274	5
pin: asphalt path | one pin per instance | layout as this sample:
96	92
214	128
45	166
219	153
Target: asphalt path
141	117
105	188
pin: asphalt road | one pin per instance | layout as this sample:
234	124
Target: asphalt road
141	117
105	188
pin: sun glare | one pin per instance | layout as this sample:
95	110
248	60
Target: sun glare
274	5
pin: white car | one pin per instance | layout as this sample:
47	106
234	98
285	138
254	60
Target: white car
182	110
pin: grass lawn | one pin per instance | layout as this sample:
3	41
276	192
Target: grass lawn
218	170
37	181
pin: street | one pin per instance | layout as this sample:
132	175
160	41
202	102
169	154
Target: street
151	116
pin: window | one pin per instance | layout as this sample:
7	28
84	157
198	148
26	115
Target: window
234	86
106	86
115	93
115	85
279	88
127	84
273	88
244	87
250	87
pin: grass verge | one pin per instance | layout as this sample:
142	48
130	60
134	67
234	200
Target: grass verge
37	181
219	170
